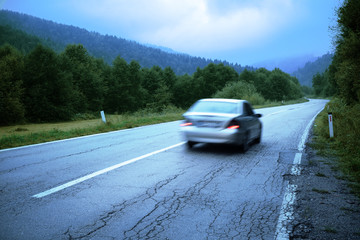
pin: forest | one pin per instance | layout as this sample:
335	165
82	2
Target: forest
41	85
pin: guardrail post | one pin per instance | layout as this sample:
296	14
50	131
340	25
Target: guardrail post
331	129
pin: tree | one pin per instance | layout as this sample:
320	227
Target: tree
118	97
47	94
248	76
213	78
87	78
136	90
158	85
11	91
319	84
345	69
280	85
186	91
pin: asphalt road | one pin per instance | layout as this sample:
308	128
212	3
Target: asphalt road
143	183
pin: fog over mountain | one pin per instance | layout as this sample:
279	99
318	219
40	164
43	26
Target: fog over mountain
288	65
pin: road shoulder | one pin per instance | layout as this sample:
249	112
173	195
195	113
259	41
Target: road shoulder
325	207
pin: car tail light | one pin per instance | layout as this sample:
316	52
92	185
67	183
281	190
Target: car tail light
186	124
233	125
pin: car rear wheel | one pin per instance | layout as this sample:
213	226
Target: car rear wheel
258	139
190	144
245	145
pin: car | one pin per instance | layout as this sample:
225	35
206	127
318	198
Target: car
222	121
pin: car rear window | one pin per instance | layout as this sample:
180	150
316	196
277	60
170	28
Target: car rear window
215	107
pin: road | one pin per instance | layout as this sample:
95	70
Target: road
144	183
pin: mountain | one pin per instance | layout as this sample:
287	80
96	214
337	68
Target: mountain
105	46
288	65
164	49
20	40
306	73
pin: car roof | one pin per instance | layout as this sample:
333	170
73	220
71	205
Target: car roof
222	100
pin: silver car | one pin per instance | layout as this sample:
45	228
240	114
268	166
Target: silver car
221	121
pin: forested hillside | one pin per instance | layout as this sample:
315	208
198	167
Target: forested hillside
42	85
306	74
105	46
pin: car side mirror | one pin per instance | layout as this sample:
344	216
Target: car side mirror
258	115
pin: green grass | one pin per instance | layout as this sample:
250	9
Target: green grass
344	147
15	136
321	191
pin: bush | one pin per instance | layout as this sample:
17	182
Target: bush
241	90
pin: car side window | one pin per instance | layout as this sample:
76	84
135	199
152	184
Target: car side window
247	110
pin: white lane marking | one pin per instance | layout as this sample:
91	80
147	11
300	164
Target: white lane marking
301	145
287	209
286	213
274	113
89	176
296	168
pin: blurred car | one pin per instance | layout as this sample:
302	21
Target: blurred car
227	121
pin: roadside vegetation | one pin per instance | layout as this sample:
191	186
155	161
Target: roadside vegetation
26	134
341	81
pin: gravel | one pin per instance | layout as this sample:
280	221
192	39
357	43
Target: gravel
325	208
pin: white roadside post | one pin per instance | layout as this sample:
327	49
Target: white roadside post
331	129
103	116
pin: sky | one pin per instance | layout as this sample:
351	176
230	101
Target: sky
237	31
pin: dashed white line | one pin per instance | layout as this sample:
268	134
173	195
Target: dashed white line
274	113
89	176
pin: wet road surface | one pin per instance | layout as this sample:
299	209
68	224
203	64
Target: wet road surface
143	183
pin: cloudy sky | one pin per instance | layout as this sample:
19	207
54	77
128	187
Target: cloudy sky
239	31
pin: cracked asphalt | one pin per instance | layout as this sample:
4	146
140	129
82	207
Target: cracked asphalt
208	192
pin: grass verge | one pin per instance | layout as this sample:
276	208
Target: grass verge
345	144
15	136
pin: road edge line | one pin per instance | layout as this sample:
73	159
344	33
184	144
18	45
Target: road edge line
286	210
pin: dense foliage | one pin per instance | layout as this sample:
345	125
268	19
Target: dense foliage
342	77
43	85
23	42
